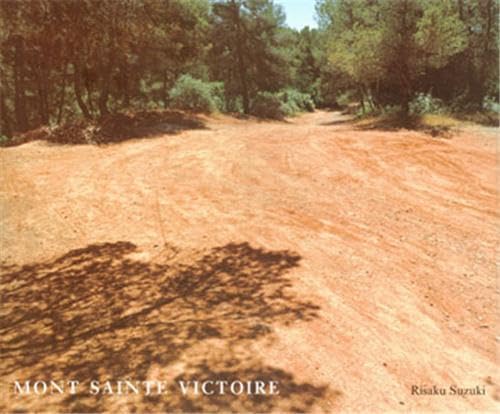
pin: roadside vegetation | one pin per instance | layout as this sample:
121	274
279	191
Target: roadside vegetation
64	61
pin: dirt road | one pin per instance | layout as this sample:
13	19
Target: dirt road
349	265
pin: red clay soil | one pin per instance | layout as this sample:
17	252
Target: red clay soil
348	265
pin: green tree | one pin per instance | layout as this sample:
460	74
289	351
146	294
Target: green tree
61	59
391	42
476	66
249	50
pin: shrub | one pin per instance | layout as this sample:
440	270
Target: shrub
218	95
281	104
4	140
268	105
297	101
234	104
392	110
289	108
196	95
426	104
490	104
345	98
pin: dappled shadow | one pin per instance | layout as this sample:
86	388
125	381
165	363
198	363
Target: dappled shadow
114	128
120	127
337	118
483	118
388	122
395	122
99	313
337	122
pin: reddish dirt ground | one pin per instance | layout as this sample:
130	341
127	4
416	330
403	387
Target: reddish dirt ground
349	265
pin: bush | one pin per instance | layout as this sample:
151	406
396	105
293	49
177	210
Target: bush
289	108
196	95
426	104
490	104
279	105
345	98
4	140
268	105
392	110
297	101
234	104
218	95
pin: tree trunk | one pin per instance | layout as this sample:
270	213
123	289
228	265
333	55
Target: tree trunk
42	94
368	94
103	97
77	83
126	96
406	90
19	85
480	90
404	65
165	89
240	57
88	90
362	98
63	94
5	127
105	75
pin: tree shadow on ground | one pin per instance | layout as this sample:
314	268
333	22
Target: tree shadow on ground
338	122
99	313
396	122
114	128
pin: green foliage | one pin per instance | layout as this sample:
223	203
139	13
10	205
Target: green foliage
234	104
313	73
278	105
440	33
386	46
392	110
491	104
345	98
426	104
310	59
196	95
365	111
218	95
4	140
103	57
297	101
252	50
113	56
268	105
356	38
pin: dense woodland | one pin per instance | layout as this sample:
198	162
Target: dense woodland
63	60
